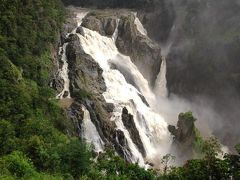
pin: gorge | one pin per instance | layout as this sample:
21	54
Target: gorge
119	89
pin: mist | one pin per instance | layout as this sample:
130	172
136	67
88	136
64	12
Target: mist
202	52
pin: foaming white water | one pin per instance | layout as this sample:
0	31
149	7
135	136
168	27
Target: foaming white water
151	126
139	26
63	71
161	82
115	34
160	88
90	132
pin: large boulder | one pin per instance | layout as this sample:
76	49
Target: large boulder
105	25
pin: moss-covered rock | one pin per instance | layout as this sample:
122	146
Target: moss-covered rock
184	136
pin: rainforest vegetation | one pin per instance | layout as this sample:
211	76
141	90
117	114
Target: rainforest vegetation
33	139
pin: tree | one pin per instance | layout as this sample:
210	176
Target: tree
75	158
211	148
16	164
166	161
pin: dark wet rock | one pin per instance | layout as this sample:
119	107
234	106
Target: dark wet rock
67	28
144	53
104	127
80	30
75	114
57	83
129	123
110	25
185	127
143	99
65	94
109	107
104	25
150	164
121	144
94	24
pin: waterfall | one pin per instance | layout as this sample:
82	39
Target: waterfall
90	133
161	82
63	71
150	125
115	34
160	88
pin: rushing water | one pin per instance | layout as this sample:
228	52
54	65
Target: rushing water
161	82
151	126
90	133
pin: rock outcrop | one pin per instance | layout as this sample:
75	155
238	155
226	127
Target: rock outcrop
144	53
105	25
129	124
121	145
184	135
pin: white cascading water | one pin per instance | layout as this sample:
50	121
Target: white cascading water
160	88
90	133
63	71
161	82
151	126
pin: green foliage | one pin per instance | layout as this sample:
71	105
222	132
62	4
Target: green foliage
211	148
7	137
188	116
110	166
75	158
166	161
196	169
17	164
198	142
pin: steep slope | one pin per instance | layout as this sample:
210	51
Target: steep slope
32	125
